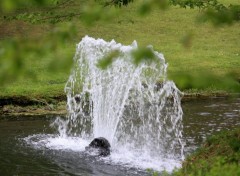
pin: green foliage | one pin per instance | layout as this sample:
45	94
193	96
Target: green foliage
217	169
87	11
212	10
31	52
12	5
143	55
47	12
118	3
139	55
91	13
201	4
147	6
200	79
14	65
222	15
17	54
220	155
224	170
155	173
105	62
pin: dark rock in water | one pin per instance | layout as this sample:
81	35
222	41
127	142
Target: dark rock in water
101	145
77	98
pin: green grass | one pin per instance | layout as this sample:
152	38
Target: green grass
220	155
201	57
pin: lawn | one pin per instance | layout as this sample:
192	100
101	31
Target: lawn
201	57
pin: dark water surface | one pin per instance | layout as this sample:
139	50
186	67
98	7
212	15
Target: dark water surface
205	117
201	118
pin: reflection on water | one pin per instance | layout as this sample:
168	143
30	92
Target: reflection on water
201	118
205	117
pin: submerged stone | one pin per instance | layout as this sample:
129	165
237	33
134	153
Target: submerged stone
99	145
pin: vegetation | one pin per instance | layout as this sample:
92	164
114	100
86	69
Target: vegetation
220	155
38	37
38	43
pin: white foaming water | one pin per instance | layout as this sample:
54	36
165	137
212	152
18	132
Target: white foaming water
57	142
135	107
141	159
119	156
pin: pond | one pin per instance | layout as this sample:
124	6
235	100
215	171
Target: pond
19	157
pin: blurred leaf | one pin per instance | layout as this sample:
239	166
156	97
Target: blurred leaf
187	40
92	13
108	59
145	8
18	54
222	15
205	79
143	55
12	5
162	4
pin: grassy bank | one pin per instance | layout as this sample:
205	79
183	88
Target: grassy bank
202	59
220	155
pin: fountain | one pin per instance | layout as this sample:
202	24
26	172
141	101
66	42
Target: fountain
133	106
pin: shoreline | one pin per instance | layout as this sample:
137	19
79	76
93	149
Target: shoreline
25	106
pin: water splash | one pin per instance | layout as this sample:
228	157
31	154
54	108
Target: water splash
135	107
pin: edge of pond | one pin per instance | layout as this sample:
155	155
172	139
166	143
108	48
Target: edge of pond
22	105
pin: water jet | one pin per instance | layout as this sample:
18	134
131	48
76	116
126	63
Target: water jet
134	107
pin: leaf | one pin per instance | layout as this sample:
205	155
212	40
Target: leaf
143	54
145	8
108	60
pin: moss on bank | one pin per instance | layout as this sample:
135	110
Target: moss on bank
22	105
56	104
219	155
33	110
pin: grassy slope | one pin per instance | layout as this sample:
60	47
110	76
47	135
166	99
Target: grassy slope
220	155
212	51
